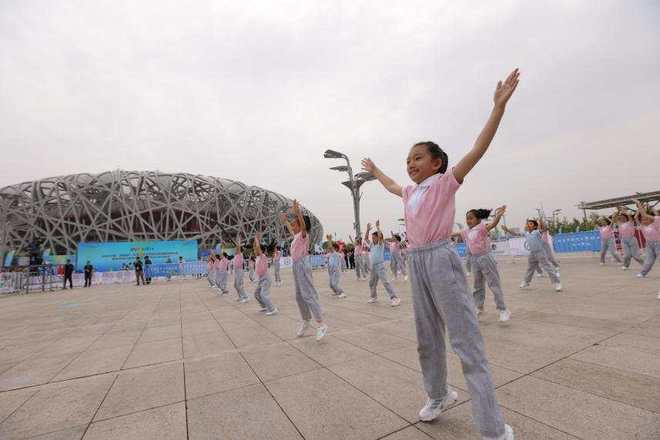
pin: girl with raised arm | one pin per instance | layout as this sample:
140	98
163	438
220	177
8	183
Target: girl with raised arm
397	262
377	254
650	227
277	256
306	295
262	292
607	240
477	239
627	228
334	267
439	285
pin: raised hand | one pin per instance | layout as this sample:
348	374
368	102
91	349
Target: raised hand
368	165
501	210
368	227
378	224
505	89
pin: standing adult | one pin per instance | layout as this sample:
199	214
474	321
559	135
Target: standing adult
68	274
147	269
139	271
89	270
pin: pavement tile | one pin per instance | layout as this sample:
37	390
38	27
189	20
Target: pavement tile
164	423
221	372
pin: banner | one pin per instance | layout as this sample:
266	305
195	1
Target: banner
111	256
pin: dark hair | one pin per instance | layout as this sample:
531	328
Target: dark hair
224	254
480	213
534	221
397	237
436	153
308	223
335	246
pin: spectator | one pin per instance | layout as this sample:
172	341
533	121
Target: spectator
89	270
68	274
139	272
147	269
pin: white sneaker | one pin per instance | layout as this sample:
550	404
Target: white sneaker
434	407
558	274
243	300
303	327
372	300
273	312
625	268
540	275
321	332
640	275
524	284
658	295
395	302
405	278
263	310
505	315
341	295
602	264
558	287
508	435
468	273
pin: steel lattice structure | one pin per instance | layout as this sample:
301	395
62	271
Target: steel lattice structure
59	212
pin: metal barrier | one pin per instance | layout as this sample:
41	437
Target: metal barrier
30	279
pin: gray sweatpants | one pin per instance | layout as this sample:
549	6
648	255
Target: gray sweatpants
211	277
306	295
630	251
276	271
378	273
468	259
358	266
652	253
262	293
335	275
539	259
610	245
485	269
550	254
398	265
222	281
441	298
238	283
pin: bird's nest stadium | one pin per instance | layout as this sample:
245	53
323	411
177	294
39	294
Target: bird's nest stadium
57	213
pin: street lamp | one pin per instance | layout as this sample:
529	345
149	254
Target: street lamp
353	183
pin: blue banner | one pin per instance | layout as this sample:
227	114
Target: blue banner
115	255
577	242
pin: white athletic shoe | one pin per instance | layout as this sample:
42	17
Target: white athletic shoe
372	300
524	284
243	300
405	278
341	295
434	407
505	315
558	287
602	264
658	295
540	275
468	273
303	327
640	275
275	311
395	302
508	435
558	274
625	268
263	310
321	332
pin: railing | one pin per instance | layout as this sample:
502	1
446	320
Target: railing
29	279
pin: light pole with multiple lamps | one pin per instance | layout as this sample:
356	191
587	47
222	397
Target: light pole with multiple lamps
354	182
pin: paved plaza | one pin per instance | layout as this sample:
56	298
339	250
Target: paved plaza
175	360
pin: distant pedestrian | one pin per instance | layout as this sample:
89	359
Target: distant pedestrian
68	274
89	270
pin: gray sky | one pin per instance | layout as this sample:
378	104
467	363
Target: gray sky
255	91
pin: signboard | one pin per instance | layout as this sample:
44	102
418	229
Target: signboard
113	255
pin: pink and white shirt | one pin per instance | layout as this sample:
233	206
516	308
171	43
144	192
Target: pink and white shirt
652	232
606	232
238	262
223	264
299	247
262	265
429	209
477	239
357	250
627	230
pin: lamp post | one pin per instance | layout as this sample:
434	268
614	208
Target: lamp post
354	182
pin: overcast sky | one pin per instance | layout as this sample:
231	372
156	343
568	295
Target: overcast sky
255	91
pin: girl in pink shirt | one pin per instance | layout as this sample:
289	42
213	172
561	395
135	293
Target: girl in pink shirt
627	228
439	285
306	295
211	270
277	256
483	264
650	227
222	271
397	264
262	293
607	240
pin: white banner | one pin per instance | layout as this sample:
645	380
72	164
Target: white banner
517	246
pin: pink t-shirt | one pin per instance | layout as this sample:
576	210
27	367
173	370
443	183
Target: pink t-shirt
652	232
606	232
251	264
262	265
277	256
238	261
477	239
429	209
357	250
223	265
626	230
299	246
545	236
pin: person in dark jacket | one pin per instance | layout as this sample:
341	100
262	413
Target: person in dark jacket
89	270
68	274
139	271
147	269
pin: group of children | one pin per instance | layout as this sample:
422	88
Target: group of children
628	222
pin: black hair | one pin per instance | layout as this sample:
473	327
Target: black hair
308	223
436	153
480	213
224	254
534	221
335	246
397	237
278	247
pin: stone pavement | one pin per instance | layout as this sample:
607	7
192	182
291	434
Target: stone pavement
176	361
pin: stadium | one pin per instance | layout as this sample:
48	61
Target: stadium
58	213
